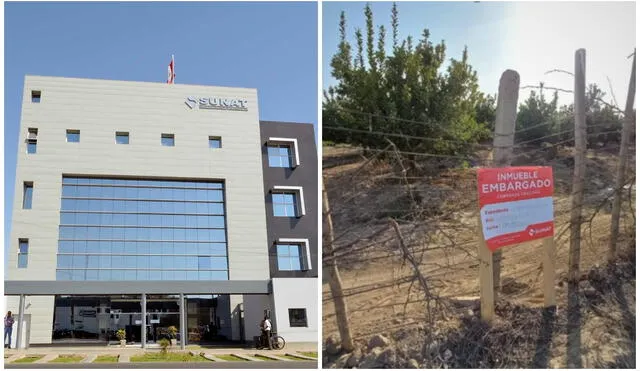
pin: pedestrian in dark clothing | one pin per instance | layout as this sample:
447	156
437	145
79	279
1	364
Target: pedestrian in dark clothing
8	329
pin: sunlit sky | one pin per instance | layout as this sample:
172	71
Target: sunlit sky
529	37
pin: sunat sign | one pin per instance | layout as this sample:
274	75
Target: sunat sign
516	204
217	103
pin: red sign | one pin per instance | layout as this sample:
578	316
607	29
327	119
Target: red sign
516	204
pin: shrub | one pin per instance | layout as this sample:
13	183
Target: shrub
121	334
164	344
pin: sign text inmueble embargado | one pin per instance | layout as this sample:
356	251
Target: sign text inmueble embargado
217	103
516	204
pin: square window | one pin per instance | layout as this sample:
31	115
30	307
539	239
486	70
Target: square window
280	155
122	137
284	204
73	136
27	195
35	96
168	140
297	317
291	257
215	142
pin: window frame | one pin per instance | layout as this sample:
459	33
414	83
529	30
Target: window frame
25	187
168	136
293	145
21	242
122	134
36	96
213	138
306	318
303	243
298	193
72	132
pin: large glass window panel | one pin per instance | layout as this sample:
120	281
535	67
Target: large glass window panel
65	261
63	275
79	261
93	247
67	218
217	235
142	275
181	262
65	247
93	219
219	275
155	275
204	262
79	247
179	275
155	262
67	233
144	247
117	247
92	275
104	275
192	262
192	275
218	249
129	275
105	261
218	262
93	261
117	261
166	247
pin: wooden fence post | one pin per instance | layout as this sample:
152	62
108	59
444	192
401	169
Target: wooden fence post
335	283
622	163
579	163
506	113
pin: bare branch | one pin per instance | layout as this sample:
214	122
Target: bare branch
558	70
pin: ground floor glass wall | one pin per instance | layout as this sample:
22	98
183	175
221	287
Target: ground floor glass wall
98	318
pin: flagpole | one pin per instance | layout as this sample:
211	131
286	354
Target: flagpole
174	69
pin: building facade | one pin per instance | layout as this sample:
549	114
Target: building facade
146	206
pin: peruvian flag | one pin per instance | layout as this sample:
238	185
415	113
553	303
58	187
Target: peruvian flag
171	74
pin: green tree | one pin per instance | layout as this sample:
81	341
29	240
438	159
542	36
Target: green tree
404	92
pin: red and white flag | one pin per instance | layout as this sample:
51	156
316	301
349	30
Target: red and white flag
171	76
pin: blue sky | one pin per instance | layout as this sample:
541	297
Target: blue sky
530	37
268	46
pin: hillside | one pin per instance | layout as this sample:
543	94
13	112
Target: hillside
434	201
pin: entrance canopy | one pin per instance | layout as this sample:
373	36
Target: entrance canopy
235	287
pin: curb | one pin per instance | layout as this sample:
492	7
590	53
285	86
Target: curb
245	357
90	358
301	356
14	357
275	358
213	358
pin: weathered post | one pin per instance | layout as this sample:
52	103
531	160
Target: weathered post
579	163
505	128
335	283
622	163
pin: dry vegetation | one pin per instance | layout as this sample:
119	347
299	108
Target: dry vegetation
434	201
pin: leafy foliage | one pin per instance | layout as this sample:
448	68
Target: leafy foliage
408	93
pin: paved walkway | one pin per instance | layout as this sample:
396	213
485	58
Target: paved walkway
212	353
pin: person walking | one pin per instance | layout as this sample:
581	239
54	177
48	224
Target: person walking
8	329
267	332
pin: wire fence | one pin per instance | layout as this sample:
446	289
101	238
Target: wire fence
433	199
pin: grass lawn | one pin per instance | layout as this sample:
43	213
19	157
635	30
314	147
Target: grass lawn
229	357
169	357
29	359
106	359
310	354
67	358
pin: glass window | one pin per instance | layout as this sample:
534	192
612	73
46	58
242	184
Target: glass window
280	155
32	146
297	317
36	95
167	140
122	137
64	261
215	142
284	204
73	136
27	196
289	257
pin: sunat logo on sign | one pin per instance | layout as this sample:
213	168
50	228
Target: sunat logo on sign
217	103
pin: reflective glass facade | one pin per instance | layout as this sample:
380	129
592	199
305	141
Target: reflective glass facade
129	229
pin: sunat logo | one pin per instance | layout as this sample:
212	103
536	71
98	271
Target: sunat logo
533	231
229	104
